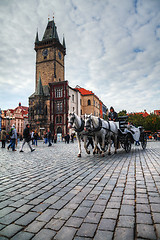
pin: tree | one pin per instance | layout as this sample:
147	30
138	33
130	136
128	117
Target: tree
122	113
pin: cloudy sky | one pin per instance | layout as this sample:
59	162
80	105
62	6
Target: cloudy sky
113	49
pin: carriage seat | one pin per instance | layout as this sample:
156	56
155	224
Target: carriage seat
123	122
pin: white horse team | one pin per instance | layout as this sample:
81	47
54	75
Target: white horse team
102	132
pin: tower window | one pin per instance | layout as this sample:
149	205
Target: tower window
58	92
72	98
89	102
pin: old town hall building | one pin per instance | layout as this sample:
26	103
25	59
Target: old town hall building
53	98
48	105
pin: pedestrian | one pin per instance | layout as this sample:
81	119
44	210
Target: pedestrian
67	138
55	138
3	137
112	116
26	138
13	138
49	138
32	137
35	137
45	137
72	137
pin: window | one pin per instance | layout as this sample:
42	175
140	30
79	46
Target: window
59	119
89	102
59	106
73	109
58	92
72	98
81	111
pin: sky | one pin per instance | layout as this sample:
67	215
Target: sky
112	46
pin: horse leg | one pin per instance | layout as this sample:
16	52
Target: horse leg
95	145
115	140
79	145
103	145
85	145
109	147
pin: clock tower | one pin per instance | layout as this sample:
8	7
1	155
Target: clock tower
50	56
50	53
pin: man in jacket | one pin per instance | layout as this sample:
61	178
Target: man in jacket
26	138
13	135
112	116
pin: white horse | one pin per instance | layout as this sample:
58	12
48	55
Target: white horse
103	130
78	124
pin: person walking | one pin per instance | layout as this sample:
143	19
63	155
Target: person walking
13	138
55	138
67	138
3	137
35	137
49	138
32	138
26	138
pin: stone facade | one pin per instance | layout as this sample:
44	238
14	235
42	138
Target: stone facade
50	55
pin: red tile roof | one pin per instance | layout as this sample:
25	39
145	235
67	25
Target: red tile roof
83	91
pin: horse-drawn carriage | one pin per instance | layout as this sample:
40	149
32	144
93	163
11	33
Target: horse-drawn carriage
104	132
129	134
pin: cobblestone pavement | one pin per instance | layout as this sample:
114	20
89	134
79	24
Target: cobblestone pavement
52	194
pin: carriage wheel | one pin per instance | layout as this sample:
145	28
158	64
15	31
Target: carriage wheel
144	140
127	144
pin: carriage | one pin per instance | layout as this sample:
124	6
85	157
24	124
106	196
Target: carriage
129	134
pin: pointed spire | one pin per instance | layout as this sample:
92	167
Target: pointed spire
64	44
39	89
37	38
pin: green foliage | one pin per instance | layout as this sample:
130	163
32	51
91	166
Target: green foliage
122	113
150	123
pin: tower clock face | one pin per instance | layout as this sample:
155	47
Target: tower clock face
45	52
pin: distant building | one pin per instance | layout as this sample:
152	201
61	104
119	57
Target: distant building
144	114
157	112
17	116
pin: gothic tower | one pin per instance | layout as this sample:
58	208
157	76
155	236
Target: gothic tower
50	55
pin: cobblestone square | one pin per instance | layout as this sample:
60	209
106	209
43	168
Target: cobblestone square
52	194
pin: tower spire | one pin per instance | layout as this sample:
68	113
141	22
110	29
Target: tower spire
37	38
39	89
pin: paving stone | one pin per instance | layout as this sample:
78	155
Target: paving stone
44	234
111	213
98	208
35	226
64	213
107	224
74	222
10	230
145	231
143	218
124	233
5	211
103	235
155	207
143	208
47	215
156	217
27	218
81	212
55	224
11	217
22	235
87	230
126	221
93	217
157	226
127	210
66	233
41	207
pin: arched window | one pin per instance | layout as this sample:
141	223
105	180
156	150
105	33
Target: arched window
89	102
46	112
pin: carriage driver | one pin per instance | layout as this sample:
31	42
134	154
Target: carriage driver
112	116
